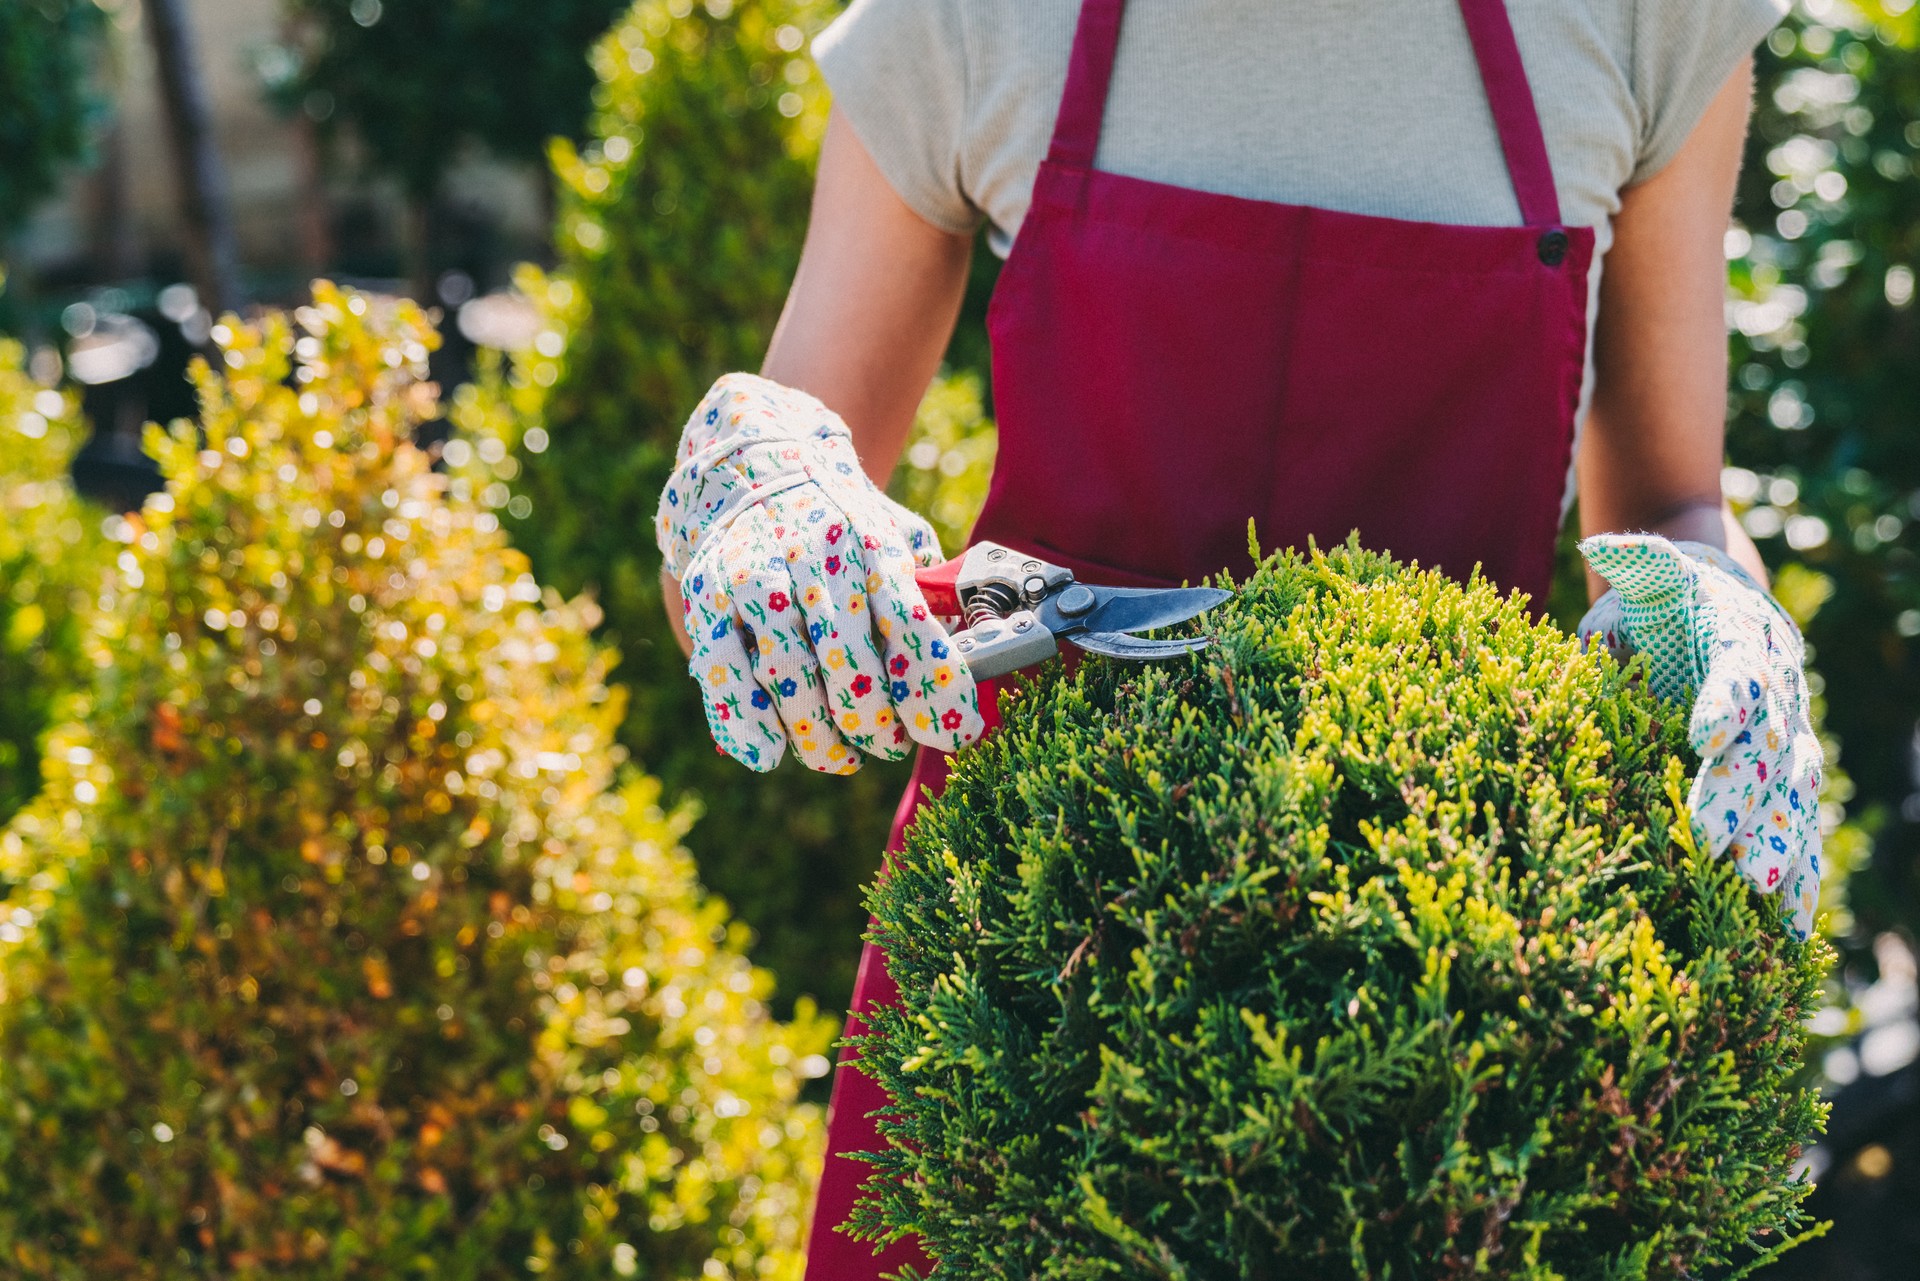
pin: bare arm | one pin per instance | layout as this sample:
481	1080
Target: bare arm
873	304
1651	454
870	312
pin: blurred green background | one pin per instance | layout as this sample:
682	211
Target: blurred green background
606	201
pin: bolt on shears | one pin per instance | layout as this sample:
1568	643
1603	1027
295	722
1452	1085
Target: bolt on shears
1018	608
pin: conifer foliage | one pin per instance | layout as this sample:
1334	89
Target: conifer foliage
1369	942
336	955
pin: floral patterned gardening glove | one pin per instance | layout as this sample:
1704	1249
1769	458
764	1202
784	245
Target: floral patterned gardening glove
1714	635
797	574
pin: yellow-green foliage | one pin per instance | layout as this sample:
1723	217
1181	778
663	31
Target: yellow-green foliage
51	558
334	954
1371	941
679	228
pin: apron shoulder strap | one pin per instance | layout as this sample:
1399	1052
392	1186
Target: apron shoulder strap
1515	112
1076	132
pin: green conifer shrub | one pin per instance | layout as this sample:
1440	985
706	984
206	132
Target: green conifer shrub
333	952
679	227
52	555
1369	942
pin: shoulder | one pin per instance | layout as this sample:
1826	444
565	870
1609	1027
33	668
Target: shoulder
997	37
953	98
1682	53
869	28
1682	19
900	74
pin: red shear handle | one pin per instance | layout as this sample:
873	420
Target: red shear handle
939	584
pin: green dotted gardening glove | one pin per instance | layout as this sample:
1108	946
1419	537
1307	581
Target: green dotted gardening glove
797	573
1714	636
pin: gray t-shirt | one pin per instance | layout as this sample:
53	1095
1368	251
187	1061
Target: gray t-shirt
1364	106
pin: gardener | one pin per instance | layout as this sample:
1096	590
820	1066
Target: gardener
1331	267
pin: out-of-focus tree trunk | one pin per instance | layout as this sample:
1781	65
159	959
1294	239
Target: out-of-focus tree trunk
313	224
313	215
116	242
418	247
118	251
212	256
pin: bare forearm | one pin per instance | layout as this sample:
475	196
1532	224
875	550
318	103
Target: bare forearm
873	303
1651	455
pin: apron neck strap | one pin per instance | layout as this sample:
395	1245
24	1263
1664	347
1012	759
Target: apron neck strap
1076	132
1515	112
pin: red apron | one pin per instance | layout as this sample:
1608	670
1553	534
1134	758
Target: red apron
1168	363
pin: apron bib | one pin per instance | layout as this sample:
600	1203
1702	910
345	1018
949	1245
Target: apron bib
1168	363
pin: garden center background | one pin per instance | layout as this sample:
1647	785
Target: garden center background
605	204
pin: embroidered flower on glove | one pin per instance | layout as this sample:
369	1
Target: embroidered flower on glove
1713	635
797	574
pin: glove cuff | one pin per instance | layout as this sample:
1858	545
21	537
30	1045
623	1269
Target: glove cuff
748	408
749	439
1719	558
1723	561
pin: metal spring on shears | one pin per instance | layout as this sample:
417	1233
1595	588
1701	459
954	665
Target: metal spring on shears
994	600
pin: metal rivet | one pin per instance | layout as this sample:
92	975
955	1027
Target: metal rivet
1034	586
1076	600
998	553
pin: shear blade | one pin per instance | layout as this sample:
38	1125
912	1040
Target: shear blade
1134	649
1138	609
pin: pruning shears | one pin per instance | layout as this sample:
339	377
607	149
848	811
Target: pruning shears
1018	608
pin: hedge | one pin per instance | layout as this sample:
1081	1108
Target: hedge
333	950
1371	941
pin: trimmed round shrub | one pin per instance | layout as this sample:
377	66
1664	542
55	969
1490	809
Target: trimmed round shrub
1372	941
335	949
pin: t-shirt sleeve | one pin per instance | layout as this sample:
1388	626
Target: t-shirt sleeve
1683	52
898	72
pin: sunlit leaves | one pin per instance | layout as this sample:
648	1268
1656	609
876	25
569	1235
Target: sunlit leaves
52	556
334	948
